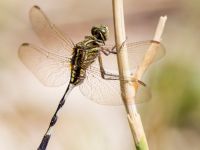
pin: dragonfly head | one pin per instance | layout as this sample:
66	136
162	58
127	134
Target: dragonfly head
100	32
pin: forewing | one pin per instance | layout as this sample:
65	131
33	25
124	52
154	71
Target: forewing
50	36
136	52
51	69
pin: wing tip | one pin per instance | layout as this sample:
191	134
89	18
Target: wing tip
21	49
25	44
36	7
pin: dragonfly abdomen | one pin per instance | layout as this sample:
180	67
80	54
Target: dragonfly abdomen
77	75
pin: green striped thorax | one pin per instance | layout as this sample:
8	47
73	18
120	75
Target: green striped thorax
86	52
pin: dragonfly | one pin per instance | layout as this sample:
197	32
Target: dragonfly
81	64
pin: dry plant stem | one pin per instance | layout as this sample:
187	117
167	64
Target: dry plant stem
135	120
122	58
151	52
129	92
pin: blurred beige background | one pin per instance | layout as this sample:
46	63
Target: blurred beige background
171	119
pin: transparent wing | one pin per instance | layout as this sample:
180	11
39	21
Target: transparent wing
107	92
50	36
104	92
50	68
136	52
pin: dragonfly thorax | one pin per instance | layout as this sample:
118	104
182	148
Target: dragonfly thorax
84	54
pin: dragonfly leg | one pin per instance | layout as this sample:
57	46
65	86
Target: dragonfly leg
105	75
122	45
111	76
108	51
113	50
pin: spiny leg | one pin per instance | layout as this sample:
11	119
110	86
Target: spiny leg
113	50
110	76
108	51
105	75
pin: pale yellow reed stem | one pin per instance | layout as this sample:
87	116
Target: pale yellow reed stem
123	65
